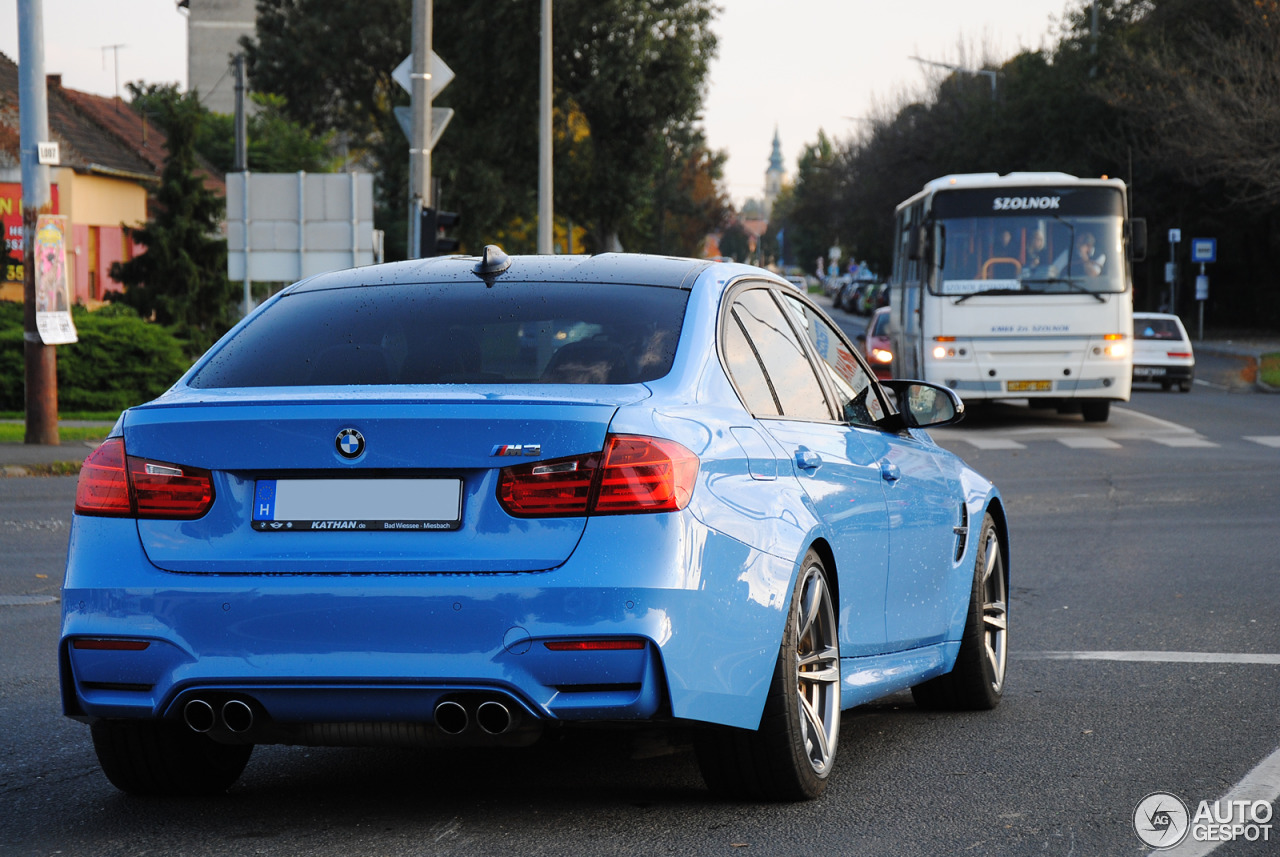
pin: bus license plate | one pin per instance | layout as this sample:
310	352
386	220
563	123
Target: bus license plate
1030	386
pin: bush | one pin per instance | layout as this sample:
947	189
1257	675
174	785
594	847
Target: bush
120	360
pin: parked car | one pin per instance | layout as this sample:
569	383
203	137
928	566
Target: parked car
875	344
1162	352
367	516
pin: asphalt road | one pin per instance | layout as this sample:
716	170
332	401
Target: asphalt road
1145	636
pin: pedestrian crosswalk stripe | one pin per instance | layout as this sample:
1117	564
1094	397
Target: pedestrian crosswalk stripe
994	443
1182	441
1088	442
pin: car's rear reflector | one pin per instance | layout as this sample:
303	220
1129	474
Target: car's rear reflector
113	483
110	645
633	474
593	645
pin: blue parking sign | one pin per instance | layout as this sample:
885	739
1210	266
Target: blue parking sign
1204	249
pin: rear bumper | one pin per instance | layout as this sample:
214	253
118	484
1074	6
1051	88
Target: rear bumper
333	648
1156	374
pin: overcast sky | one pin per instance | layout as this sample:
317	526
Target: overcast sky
797	65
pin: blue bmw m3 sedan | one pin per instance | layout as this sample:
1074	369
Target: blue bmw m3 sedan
468	500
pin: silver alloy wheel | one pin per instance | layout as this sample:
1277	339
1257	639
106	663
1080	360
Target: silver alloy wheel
817	670
995	620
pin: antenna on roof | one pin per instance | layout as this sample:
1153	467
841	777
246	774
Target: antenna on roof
116	50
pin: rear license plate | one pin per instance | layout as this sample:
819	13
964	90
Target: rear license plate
381	505
1149	371
1030	386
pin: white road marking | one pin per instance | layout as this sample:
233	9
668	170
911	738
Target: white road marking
1087	442
1181	442
1272	441
1155	657
1262	783
993	443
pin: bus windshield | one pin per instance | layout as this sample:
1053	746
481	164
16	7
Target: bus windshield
1028	241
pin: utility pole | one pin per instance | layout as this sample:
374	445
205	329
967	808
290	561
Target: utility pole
41	399
546	206
420	139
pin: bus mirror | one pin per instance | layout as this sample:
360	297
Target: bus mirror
1137	239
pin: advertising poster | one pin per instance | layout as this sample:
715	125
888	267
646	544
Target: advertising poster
11	225
53	288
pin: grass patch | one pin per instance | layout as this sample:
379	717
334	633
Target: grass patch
52	468
96	416
1269	370
16	432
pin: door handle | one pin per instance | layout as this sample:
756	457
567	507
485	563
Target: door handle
889	471
807	459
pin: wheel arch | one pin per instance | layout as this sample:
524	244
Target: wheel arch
822	548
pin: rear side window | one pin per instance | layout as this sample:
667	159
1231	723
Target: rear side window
456	333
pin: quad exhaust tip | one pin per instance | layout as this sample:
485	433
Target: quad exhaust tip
236	716
451	717
493	717
198	715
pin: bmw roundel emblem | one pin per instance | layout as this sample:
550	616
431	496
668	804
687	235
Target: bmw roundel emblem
350	443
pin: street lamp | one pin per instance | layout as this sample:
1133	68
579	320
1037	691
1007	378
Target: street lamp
988	72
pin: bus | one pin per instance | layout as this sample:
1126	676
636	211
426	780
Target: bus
1018	287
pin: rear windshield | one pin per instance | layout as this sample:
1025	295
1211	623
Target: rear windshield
457	333
1156	328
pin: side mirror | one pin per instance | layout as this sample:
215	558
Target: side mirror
1137	239
923	405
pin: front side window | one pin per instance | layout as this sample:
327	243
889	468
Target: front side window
856	395
779	357
455	333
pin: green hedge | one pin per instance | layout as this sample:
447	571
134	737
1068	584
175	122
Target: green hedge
120	360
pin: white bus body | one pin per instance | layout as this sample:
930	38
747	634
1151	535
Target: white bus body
993	294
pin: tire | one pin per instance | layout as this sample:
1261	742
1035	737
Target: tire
792	753
1185	386
1095	410
158	758
1166	385
976	682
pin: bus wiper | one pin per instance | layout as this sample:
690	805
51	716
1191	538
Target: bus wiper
996	291
1071	285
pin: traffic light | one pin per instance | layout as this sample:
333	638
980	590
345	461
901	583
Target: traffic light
431	240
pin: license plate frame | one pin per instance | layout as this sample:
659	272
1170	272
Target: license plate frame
357	505
1029	386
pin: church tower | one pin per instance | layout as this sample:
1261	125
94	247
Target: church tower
773	175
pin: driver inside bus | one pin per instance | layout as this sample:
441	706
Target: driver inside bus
1086	261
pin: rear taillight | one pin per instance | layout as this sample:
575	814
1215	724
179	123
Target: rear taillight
103	488
116	484
633	474
1179	353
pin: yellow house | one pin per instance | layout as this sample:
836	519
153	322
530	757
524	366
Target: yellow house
110	158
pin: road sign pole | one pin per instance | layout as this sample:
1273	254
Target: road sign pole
419	139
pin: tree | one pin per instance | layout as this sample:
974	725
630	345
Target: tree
276	143
628	75
1206	88
181	277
